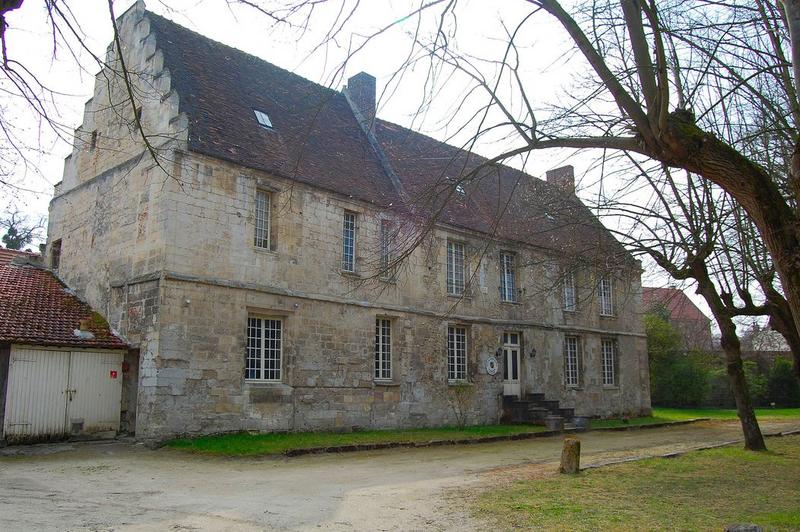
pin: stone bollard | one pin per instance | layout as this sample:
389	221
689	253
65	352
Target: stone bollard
571	456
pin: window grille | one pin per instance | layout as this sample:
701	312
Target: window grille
507	277
609	348
571	368
262	238
570	299
385	245
456	353
264	349
455	268
383	349
349	242
606	290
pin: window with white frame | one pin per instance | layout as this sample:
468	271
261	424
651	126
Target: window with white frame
349	242
385	249
569	295
609	350
263	205
456	353
455	267
508	291
605	289
571	361
383	349
264	349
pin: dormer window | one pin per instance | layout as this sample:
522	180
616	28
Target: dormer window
263	119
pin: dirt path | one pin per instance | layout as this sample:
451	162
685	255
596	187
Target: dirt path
127	487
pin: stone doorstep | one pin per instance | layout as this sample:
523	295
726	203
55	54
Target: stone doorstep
468	441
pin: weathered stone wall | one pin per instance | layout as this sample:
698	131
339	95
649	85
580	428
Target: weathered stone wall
166	252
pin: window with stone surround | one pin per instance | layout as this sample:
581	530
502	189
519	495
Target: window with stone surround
349	242
455	268
508	282
263	207
456	353
605	289
387	230
55	254
572	361
383	349
570	299
609	351
264	349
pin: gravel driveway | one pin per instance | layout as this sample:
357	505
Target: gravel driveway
118	486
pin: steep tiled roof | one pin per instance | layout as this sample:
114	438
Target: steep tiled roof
676	302
497	199
317	140
36	308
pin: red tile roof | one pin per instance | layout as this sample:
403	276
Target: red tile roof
36	308
676	302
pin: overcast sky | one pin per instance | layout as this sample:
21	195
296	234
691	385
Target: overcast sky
71	71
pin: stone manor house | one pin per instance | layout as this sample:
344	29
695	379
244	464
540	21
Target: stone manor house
261	266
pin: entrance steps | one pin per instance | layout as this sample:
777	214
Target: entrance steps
535	408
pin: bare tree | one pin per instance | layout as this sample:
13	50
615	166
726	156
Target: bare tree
20	230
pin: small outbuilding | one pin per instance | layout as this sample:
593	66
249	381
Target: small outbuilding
61	366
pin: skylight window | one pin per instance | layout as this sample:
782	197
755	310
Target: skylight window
263	119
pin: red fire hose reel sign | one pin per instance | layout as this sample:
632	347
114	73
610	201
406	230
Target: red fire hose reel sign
113	374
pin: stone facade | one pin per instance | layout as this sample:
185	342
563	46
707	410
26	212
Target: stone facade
166	251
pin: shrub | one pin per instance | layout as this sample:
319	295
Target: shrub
783	388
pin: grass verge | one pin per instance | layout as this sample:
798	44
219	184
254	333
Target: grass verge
245	444
704	490
669	415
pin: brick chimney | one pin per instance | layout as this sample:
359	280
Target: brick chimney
562	177
360	91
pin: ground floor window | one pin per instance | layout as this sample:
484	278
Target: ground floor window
571	361
264	349
609	349
456	353
383	349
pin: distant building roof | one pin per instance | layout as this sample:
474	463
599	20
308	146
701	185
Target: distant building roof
675	301
36	308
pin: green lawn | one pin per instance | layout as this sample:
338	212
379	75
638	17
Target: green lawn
667	415
704	490
245	444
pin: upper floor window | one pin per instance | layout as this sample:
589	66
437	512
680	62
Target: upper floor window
385	249
264	349
571	361
455	267
55	254
349	242
262	238
508	291
456	353
605	290
609	350
383	349
569	294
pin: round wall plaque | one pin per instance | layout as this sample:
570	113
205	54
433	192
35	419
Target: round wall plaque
491	365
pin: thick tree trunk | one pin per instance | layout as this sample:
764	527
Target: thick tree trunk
753	439
781	320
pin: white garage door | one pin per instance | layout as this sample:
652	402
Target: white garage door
52	394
